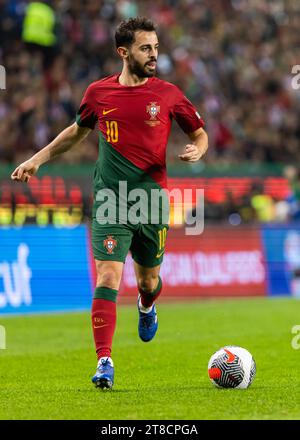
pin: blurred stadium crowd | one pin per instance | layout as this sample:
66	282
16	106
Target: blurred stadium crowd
233	61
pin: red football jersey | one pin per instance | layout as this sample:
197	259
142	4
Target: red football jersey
136	121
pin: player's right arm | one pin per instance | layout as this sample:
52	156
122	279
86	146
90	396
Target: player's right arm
68	138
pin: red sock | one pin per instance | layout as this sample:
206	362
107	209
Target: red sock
104	317
147	299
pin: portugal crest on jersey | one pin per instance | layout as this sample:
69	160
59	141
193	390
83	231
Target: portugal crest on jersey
153	109
109	243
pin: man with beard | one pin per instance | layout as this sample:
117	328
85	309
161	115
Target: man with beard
133	111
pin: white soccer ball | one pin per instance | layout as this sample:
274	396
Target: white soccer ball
232	367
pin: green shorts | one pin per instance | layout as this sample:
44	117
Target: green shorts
146	242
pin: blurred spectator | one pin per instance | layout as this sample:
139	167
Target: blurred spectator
293	200
263	204
38	25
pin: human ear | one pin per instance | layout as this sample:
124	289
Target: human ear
123	52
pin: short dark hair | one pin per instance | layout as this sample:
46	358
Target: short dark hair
125	32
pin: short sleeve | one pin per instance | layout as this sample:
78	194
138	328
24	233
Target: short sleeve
86	115
185	114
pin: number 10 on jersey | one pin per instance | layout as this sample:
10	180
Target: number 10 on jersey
112	132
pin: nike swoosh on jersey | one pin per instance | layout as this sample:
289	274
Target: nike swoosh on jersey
100	326
105	112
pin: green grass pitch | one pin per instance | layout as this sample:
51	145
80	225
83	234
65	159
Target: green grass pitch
45	372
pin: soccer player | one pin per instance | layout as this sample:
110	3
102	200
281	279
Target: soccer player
133	111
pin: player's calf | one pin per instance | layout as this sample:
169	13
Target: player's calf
148	323
148	293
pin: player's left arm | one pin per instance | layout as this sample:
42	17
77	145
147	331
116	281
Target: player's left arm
195	150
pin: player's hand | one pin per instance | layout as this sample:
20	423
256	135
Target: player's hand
25	171
192	153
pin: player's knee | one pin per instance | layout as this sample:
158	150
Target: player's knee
148	284
109	279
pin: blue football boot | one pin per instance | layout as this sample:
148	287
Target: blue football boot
104	376
147	324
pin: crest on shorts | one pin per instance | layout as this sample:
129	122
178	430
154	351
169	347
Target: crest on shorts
153	109
109	243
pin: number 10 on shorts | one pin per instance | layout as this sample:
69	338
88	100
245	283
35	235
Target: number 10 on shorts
162	236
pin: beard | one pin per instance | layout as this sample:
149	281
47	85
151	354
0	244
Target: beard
138	69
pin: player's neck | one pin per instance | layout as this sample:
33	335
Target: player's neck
129	80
